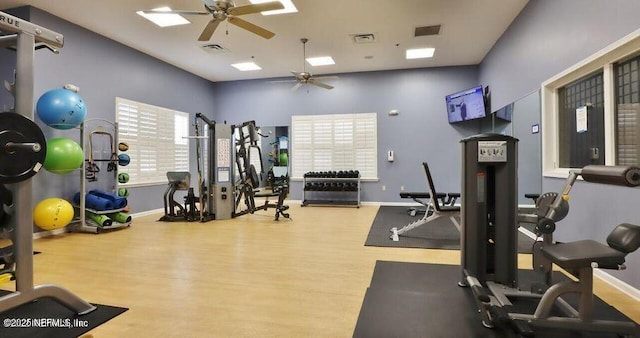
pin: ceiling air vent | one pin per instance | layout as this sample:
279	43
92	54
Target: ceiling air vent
363	38
427	30
214	48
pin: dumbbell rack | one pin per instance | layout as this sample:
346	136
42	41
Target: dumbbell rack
331	190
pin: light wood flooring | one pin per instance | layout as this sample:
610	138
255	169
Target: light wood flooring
246	277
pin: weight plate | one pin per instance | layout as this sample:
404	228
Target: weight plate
544	202
20	164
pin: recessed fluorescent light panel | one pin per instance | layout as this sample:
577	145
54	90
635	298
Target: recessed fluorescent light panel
164	20
321	61
420	53
289	7
246	66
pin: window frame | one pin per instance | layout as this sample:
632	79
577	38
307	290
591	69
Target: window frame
170	114
603	61
336	118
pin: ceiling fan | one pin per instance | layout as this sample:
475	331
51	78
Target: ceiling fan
304	77
225	9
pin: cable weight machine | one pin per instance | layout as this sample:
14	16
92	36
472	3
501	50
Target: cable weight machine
226	176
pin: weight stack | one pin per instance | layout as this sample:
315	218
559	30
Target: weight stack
489	227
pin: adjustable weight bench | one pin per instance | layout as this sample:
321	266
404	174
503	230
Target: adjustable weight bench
423	198
440	207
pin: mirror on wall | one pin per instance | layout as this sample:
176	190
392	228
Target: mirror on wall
275	154
521	119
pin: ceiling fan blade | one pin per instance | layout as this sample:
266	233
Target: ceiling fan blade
283	81
181	12
207	33
297	86
251	27
256	8
319	84
326	77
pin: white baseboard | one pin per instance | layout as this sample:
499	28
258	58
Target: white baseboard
147	213
47	233
618	284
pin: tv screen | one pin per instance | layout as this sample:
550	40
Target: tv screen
505	112
466	105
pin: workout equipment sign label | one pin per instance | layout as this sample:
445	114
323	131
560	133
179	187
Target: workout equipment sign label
492	151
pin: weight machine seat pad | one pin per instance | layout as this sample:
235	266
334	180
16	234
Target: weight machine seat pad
454	194
421	195
581	254
534	196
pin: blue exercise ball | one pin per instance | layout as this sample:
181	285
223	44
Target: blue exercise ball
124	159
61	109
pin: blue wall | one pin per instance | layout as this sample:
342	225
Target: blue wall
104	69
419	133
547	37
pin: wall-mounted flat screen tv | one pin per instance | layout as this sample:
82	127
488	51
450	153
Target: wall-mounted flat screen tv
466	105
505	113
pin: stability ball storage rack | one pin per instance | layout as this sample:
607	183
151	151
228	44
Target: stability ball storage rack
26	37
83	224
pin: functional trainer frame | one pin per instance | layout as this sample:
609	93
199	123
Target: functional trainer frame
26	39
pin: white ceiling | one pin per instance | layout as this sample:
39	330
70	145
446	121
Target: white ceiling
469	30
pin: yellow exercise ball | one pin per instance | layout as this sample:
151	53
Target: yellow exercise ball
53	213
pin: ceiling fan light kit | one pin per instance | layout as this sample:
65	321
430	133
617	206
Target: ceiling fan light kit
304	77
221	10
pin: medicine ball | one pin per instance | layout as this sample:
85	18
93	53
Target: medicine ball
123	192
124	159
61	109
123	177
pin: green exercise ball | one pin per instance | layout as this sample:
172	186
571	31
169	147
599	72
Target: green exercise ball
64	155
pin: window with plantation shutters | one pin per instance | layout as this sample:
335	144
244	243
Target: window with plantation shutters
334	142
157	141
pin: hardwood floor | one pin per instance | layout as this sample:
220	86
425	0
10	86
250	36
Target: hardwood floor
249	276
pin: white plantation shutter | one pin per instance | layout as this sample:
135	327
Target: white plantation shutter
334	142
156	141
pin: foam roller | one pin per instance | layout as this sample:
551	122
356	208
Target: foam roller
120	217
615	175
101	220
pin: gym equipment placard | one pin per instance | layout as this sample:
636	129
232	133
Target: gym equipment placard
492	151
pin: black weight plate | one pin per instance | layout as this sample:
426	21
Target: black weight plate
22	164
